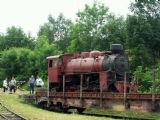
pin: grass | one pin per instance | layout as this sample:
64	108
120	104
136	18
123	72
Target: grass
14	103
140	115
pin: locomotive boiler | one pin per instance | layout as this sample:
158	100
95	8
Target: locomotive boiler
97	71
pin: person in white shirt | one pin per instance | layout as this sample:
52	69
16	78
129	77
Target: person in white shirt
5	85
39	82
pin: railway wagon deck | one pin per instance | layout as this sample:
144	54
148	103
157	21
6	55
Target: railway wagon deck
106	100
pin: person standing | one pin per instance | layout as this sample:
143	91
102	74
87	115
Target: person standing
5	85
12	85
31	84
39	82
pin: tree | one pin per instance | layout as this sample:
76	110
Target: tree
146	8
86	33
14	62
57	31
2	42
23	62
144	77
96	28
143	32
38	61
115	30
15	37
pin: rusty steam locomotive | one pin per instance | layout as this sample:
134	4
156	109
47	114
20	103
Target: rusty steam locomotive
101	71
79	80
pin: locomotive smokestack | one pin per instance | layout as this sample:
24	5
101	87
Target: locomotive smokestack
116	48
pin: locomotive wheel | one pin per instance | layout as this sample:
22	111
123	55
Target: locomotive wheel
43	105
65	110
80	110
59	107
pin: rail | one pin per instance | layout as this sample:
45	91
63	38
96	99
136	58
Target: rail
6	114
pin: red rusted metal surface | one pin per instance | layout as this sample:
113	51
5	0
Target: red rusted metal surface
85	54
53	69
89	64
103	81
120	86
130	87
136	101
96	95
84	62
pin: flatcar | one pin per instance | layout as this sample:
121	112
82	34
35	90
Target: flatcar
87	79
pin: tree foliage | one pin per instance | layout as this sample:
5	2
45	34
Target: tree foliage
15	62
15	37
96	28
23	62
57	31
143	32
144	78
41	51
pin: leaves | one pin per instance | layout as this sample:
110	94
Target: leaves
96	28
57	31
144	77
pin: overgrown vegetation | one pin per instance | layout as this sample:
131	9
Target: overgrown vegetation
95	28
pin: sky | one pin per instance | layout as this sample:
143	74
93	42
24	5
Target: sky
30	14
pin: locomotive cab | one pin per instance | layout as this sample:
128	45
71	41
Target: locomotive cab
54	70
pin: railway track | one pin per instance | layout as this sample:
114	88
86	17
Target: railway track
6	114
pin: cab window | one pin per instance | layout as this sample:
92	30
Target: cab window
54	62
50	63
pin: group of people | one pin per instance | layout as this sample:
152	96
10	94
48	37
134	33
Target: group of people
11	85
32	82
